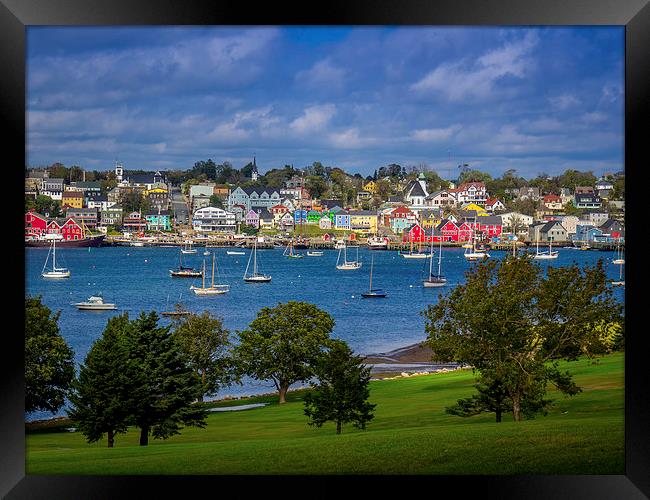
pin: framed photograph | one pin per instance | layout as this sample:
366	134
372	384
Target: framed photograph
326	186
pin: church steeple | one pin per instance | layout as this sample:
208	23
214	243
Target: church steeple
254	171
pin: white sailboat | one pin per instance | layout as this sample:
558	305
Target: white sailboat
621	281
619	254
435	280
255	277
472	253
545	255
415	255
373	292
55	272
188	248
213	289
347	265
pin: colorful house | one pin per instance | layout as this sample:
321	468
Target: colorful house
400	218
134	222
278	212
35	225
72	199
416	234
253	218
158	221
363	220
313	216
300	216
342	221
325	222
490	226
494	204
370	186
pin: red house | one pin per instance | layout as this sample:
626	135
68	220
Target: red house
35	225
447	230
490	227
71	230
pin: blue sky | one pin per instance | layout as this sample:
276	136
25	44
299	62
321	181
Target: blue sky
533	99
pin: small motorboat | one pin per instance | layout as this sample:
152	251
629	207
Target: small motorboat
315	253
234	252
95	303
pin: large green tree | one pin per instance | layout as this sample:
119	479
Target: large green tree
342	391
206	345
510	321
282	343
49	365
165	385
102	394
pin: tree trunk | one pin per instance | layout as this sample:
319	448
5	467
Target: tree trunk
516	407
202	384
111	438
498	412
144	435
283	392
338	427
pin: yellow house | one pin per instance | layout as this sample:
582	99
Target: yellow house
371	187
363	220
480	211
429	220
74	199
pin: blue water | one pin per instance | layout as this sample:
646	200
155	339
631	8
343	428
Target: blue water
137	279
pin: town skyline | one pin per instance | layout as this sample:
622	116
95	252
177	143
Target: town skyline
536	100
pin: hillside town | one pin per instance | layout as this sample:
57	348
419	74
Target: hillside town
322	204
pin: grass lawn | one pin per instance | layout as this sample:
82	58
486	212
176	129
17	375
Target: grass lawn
410	434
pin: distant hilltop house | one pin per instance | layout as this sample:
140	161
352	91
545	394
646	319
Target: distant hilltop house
587	200
470	192
440	199
524	193
604	188
553	202
494	205
52	187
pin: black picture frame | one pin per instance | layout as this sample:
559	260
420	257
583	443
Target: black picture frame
15	15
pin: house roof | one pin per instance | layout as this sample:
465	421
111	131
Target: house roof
415	189
72	194
265	214
491	220
609	223
549	225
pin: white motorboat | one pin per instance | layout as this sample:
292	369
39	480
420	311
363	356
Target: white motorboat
377	243
234	252
315	253
95	303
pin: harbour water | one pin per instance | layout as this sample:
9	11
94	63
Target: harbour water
137	279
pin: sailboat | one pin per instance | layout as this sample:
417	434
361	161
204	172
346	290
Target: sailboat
472	253
415	255
347	265
619	254
255	277
621	281
188	248
56	272
178	309
183	271
545	255
288	252
373	292
213	289
435	280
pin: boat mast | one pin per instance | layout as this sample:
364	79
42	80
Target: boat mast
372	261
439	255
203	275
255	257
212	270
430	257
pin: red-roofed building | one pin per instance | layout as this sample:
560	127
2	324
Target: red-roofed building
471	192
493	204
553	202
400	218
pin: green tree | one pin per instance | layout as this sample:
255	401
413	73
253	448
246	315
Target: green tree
282	344
165	385
571	209
341	394
510	321
215	201
101	395
205	343
249	230
49	365
317	186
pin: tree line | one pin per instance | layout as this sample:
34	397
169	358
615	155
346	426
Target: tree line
155	378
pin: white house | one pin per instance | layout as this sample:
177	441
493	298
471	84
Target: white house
416	193
440	199
212	219
471	192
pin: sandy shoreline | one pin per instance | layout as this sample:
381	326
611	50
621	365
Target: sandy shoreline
415	353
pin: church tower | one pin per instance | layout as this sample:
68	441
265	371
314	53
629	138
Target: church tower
119	171
254	171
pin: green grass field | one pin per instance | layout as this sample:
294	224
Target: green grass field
410	434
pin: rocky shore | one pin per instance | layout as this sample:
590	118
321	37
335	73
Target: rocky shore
416	353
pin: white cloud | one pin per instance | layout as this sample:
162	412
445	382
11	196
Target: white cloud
435	134
594	117
458	80
350	139
322	74
314	118
562	102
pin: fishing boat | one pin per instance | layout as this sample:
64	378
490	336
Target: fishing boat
183	271
255	276
234	252
619	254
55	272
188	248
435	280
213	289
377	243
373	292
545	255
95	303
314	253
347	265
415	255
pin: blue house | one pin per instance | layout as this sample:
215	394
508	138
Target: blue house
300	216
342	221
588	233
160	222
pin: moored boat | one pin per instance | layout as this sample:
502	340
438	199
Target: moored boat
89	241
95	303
